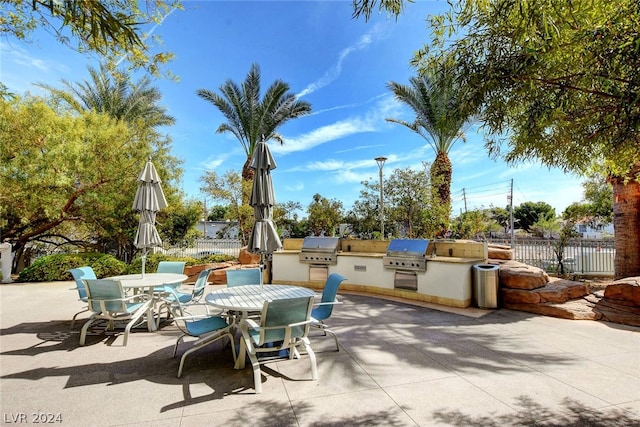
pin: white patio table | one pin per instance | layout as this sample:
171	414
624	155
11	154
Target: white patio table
150	280
252	297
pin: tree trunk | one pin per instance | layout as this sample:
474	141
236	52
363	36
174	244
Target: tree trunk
440	175
247	172
626	223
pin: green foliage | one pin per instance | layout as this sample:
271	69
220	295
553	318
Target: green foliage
436	99
250	116
556	81
324	215
217	213
152	261
179	221
72	176
215	258
114	29
151	264
597	205
235	191
55	267
471	224
528	213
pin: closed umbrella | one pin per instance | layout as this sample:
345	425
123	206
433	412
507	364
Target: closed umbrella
264	236
149	200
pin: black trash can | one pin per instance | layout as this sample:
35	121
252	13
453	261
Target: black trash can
485	285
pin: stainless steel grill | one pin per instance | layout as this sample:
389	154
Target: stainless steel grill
319	250
406	254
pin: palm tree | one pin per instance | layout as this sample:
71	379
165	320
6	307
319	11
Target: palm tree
248	117
114	94
434	99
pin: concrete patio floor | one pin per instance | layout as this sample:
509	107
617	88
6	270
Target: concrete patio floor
399	365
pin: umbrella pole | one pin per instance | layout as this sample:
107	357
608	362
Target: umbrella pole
144	260
261	271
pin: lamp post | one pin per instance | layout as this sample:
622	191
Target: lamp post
380	161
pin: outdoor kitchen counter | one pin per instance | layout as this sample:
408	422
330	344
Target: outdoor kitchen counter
446	281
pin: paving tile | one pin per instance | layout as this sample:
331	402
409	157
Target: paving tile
449	401
360	408
398	364
611	385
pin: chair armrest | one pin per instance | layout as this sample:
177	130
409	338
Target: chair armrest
127	298
251	323
336	302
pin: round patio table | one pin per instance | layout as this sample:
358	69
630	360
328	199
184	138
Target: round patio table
150	280
252	297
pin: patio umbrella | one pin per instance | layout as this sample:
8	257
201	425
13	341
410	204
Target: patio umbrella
264	237
149	200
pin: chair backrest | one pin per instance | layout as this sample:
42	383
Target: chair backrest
329	293
284	312
79	274
171	267
105	295
244	276
201	284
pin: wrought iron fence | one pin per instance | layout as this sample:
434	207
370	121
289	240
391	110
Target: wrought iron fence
205	247
579	256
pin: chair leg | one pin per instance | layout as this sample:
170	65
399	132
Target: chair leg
73	320
132	322
85	327
257	374
198	346
326	331
312	358
335	337
175	347
244	346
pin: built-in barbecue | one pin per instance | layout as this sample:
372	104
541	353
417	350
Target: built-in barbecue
407	257
320	250
319	253
406	254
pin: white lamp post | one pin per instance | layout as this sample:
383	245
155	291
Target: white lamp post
380	161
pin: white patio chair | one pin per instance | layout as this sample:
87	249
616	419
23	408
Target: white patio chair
206	328
284	325
108	301
79	274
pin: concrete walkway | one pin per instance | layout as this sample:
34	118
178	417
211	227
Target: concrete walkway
399	365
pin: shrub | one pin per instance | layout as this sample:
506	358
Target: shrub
151	265
216	258
56	267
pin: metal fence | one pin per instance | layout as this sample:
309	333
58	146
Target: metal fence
580	256
205	247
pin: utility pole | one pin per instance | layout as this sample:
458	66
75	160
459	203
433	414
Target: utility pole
464	197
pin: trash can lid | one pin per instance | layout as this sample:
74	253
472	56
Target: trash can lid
485	266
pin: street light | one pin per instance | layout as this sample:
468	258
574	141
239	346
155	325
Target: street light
380	161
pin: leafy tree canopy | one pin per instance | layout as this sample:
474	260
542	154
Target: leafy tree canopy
112	28
528	213
71	178
324	215
557	81
597	205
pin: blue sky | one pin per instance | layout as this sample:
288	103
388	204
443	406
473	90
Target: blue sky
338	64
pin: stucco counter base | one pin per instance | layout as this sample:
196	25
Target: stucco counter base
447	280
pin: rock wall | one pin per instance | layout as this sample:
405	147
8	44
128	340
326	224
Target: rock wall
530	289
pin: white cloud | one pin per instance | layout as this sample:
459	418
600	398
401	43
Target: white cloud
298	186
334	72
369	122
